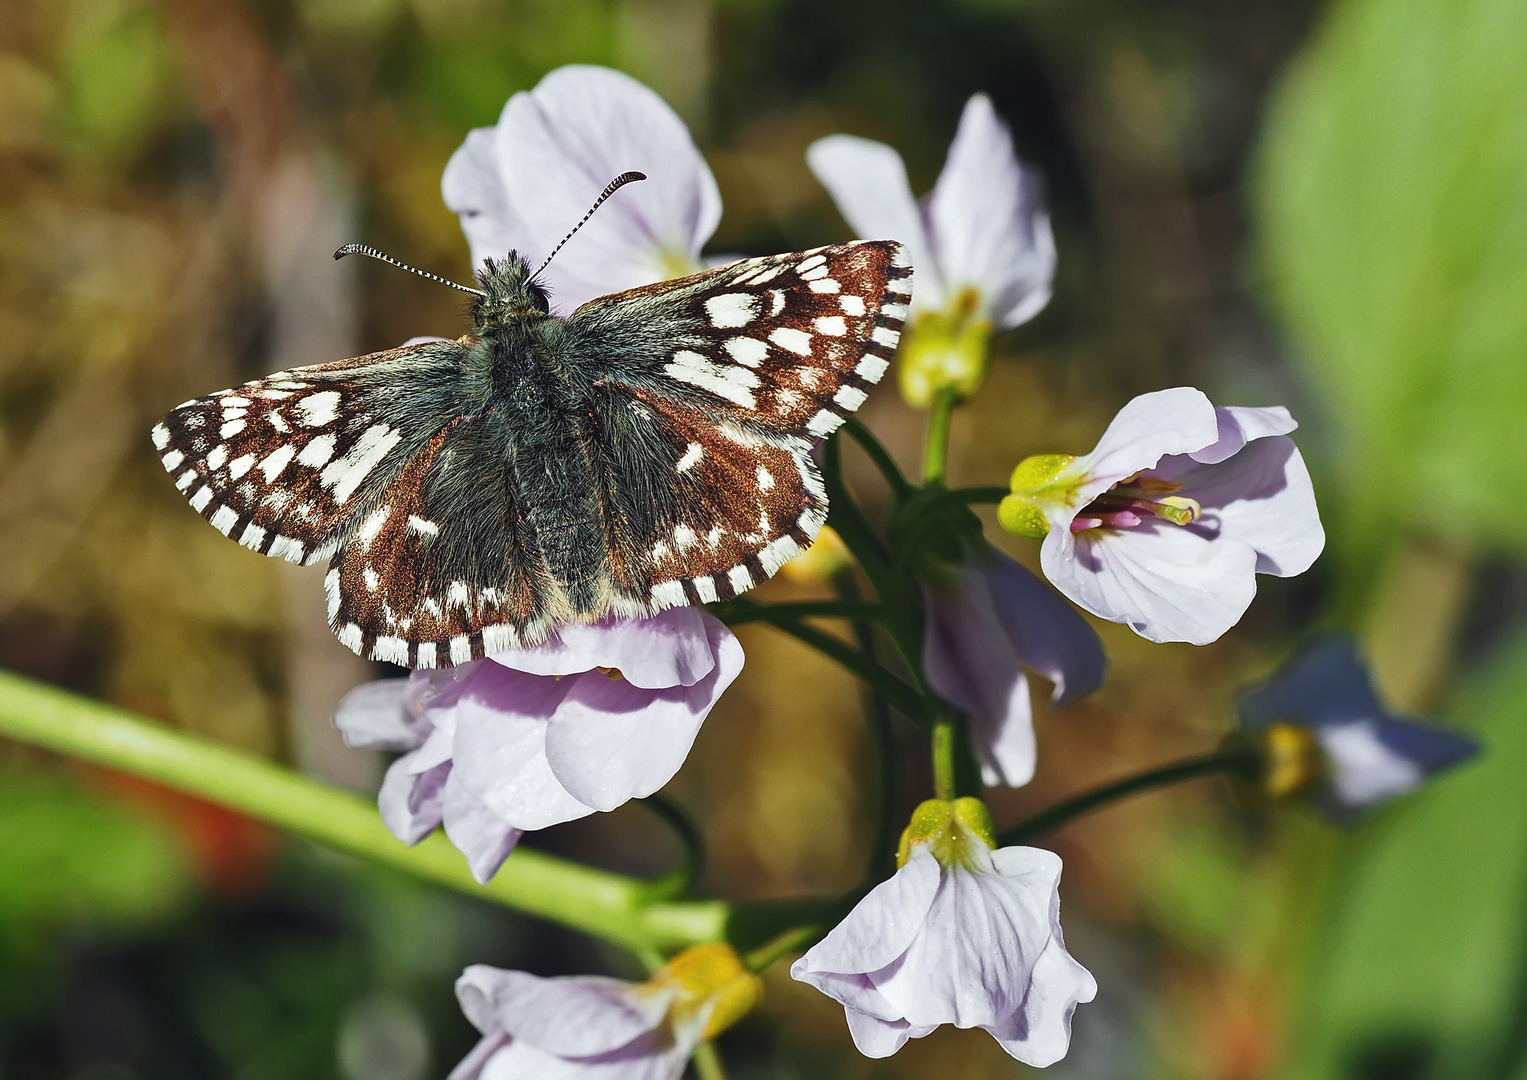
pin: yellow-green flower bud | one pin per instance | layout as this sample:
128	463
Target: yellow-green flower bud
945	350
1035	481
711	975
947	829
1017	515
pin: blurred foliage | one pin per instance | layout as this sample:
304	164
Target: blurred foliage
1395	227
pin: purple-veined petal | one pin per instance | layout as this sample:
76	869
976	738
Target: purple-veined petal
521	1061
1167	582
868	182
576	1015
986	226
373	716
473	188
1261	497
411	801
478	833
972	664
502	756
561	143
1048	635
1176	421
971	963
610	741
1239	425
881	926
672	648
877	1038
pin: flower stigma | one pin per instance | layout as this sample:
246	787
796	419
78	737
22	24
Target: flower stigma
946	350
949	830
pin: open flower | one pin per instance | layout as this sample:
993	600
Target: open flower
528	738
980	240
987	621
1322	733
525	182
1166	523
962	934
585	1026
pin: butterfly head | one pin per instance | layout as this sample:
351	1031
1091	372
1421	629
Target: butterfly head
510	293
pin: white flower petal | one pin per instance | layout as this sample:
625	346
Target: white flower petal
474	190
970	966
502	760
478	833
373	717
985	224
1364	770
868	182
575	1015
877	1038
521	1061
881	926
411	800
671	648
561	143
1167	582
1175	421
1262	497
471	1066
1239	425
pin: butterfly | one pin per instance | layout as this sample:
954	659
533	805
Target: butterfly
650	450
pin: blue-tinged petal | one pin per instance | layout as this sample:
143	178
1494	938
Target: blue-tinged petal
1325	683
1047	633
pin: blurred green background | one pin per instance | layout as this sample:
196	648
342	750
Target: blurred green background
1322	205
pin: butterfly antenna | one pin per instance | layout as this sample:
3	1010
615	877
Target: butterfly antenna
367	249
615	185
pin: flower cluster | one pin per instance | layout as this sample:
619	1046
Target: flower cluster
1163	526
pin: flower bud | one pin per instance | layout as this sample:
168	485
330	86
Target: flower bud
1286	762
711	975
947	829
1035	481
945	350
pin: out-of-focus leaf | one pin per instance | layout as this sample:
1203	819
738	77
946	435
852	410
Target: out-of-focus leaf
116	68
67	855
1420	969
1393	206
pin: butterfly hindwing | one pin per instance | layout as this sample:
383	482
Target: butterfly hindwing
285	464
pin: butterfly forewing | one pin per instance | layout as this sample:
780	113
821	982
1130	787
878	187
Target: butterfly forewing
283	464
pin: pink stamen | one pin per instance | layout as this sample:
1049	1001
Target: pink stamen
1121	519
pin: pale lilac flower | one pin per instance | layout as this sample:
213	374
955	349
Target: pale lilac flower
1166	524
983	228
600	714
592	1028
1363	755
525	182
992	618
962	934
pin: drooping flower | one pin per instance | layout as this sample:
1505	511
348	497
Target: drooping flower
964	933
987	621
1166	524
980	240
1322	733
524	739
525	182
574	1027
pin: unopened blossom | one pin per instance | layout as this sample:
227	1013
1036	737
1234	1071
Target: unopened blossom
1166	523
987	619
600	714
1323	734
980	240
525	182
964	933
575	1027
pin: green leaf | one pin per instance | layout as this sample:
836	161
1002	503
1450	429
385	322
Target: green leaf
1393	219
1420	968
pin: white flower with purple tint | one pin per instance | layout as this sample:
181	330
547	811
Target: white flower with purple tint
525	182
1166	524
1323	732
600	714
985	624
574	1027
964	933
980	240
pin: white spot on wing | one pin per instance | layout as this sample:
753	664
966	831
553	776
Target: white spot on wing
252	537
684	537
161	436
824	285
730	310
231	428
284	547
239	466
668	594
317	452
749	352
706	588
373	524
792	340
423	526
348	473
202	497
691	457
331	592
427	655
831	325
318	409
350	637
218	457
765	479
883	336
394	650
871	368
741	579
461	649
850	397
735	384
852	305
172	460
277	460
225	519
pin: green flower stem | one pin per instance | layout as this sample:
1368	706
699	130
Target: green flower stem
936	450
882	859
945	785
677	881
878	454
791	941
609	906
1229	762
707	1062
746	611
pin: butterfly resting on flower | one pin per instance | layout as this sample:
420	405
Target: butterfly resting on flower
648	451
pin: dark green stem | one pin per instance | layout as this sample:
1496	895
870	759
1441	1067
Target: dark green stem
879	455
678	880
1231	762
881	862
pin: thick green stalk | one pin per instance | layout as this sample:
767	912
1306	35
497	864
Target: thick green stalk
945	785
606	905
936	450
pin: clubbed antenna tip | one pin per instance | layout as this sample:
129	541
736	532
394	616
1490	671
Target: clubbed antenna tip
610	189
